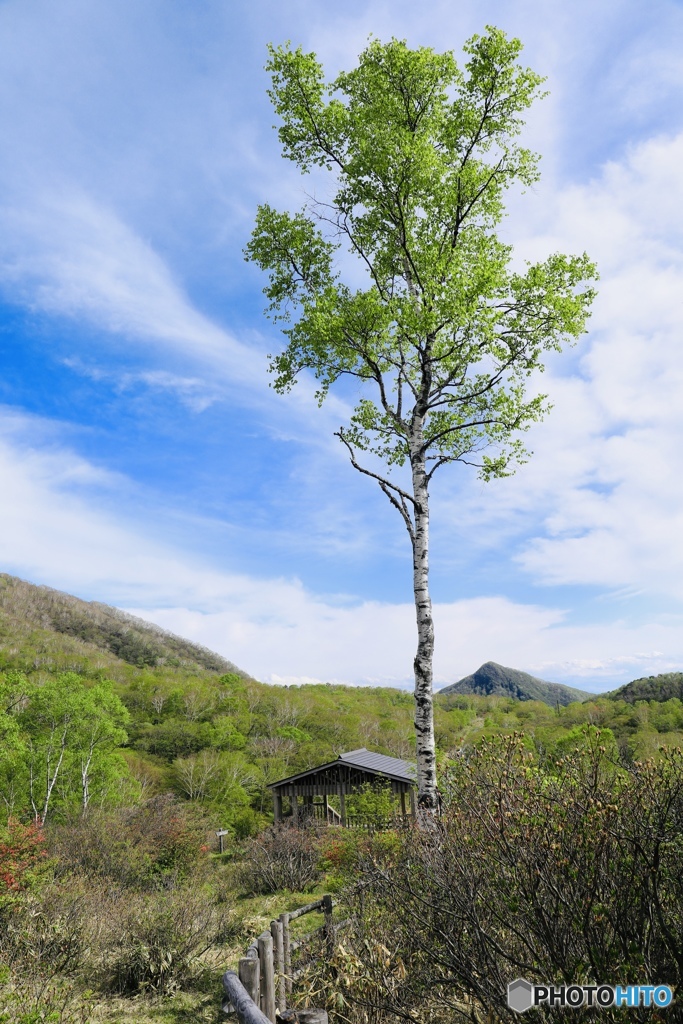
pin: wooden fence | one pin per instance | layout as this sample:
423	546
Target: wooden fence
259	989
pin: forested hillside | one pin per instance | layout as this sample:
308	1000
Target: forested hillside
165	715
49	628
663	687
123	748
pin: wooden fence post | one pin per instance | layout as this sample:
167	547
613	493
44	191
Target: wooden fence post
240	1001
249	975
276	931
265	955
287	950
328	926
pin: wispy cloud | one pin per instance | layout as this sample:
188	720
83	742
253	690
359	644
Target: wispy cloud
194	392
69	255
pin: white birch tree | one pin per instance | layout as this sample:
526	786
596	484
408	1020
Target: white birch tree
443	338
69	728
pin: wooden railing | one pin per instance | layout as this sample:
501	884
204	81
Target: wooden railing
375	823
258	991
321	812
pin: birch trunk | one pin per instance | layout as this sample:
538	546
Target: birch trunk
424	713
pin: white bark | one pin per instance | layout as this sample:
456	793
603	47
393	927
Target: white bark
85	771
424	711
194	773
51	778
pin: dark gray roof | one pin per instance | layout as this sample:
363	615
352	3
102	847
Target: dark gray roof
379	764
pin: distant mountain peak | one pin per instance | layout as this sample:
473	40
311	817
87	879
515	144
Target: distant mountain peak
494	680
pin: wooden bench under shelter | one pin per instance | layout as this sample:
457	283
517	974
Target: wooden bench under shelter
351	773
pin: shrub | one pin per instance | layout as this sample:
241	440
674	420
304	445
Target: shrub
160	942
245	822
282	857
156	844
32	1000
372	801
566	871
44	949
22	860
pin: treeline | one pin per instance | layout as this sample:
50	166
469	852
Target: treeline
73	738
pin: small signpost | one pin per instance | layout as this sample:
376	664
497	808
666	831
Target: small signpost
220	833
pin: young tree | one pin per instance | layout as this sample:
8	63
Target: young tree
445	333
71	730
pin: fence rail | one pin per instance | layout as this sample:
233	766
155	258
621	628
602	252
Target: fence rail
257	992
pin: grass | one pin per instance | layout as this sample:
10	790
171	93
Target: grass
183	1008
205	1006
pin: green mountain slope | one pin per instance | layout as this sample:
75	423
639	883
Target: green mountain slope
53	619
497	680
660	688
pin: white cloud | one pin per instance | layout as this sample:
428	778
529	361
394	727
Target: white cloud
307	640
69	255
195	393
601	501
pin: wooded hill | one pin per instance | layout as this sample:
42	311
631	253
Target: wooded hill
31	615
663	687
181	718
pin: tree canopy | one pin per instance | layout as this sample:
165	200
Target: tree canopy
445	328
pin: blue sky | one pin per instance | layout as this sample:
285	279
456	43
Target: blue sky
146	463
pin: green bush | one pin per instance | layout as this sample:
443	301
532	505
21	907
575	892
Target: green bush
372	801
32	1000
245	822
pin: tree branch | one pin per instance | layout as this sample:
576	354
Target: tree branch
399	498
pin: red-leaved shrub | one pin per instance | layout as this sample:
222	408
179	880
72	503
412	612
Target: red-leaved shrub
22	855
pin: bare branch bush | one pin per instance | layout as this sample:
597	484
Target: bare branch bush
563	872
282	857
160	943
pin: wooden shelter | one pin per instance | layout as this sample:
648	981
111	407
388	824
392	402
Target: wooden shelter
350	773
